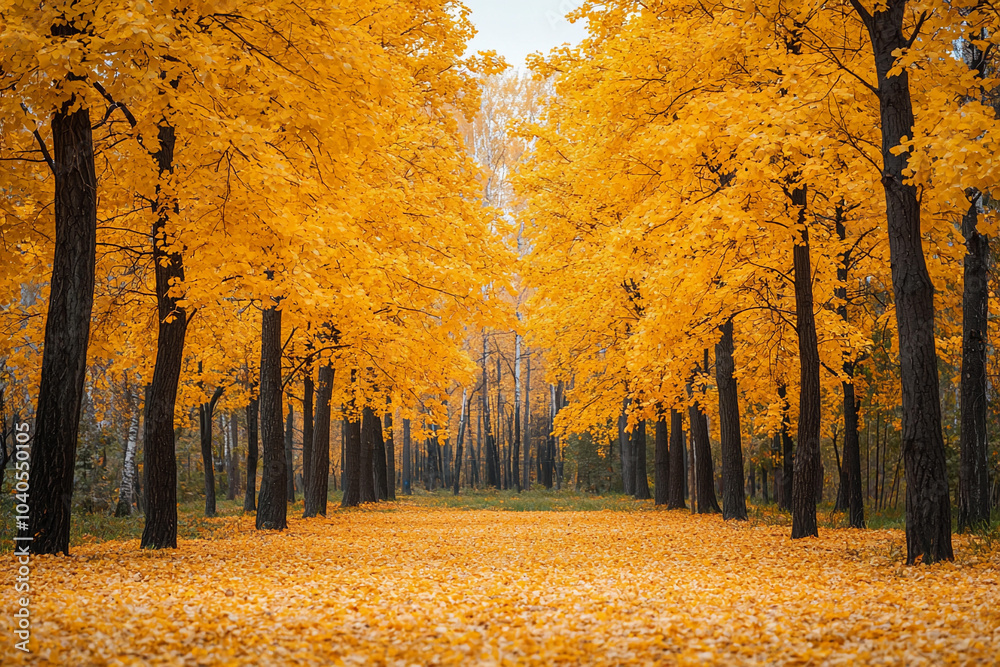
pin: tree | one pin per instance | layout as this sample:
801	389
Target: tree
733	500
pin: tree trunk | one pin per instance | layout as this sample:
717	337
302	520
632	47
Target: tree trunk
126	492
973	471
390	455
318	478
272	505
378	459
308	389
625	451
675	495
366	468
290	455
928	507
787	452
160	460
205	413
463	418
851	465
704	470
807	455
516	454
734	504
250	497
67	328
352	461
639	458
526	483
407	472
661	457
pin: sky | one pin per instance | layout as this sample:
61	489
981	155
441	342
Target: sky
515	28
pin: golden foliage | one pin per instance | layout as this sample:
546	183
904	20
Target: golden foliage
421	586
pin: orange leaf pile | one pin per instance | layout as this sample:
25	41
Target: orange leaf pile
421	586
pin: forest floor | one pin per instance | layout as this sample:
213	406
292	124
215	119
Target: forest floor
428	581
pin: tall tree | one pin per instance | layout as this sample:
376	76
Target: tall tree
67	323
318	478
928	505
675	497
272	506
851	466
407	474
734	505
206	412
250	497
661	458
639	461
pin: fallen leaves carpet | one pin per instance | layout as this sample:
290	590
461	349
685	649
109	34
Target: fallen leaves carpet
427	586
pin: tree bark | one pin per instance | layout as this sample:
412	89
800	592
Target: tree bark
734	504
675	495
272	505
308	389
463	418
787	452
516	454
973	471
407	473
526	483
661	457
704	470
250	497
928	506
639	461
378	459
625	450
290	454
851	465
160	459
390	455
318	478
352	461
205	413
67	328
807	455
366	468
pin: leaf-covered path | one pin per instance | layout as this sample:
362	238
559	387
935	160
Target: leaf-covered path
433	586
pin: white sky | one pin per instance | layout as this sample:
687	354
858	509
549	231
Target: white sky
515	28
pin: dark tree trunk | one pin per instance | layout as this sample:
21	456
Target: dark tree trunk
67	328
807	455
308	388
205	413
318	478
973	471
352	461
407	473
289	455
661	456
272	505
233	466
675	495
366	470
526	484
378	459
704	470
734	504
851	466
160	459
625	451
492	471
460	442
639	458
250	497
787	452
390	456
928	506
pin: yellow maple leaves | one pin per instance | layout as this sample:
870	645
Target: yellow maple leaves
419	585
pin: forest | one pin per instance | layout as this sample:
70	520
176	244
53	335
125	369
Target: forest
327	340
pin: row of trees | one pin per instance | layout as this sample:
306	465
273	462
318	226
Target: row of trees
742	211
204	202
